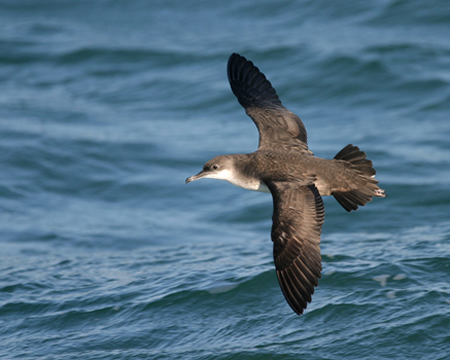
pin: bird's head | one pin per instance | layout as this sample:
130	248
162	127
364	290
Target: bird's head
221	167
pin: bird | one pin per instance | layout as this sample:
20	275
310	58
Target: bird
284	166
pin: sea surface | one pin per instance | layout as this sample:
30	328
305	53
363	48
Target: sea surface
107	106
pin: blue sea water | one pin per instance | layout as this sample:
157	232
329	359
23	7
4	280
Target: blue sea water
107	106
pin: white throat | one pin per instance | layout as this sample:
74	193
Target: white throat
232	177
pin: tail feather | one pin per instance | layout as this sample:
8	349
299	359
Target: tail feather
351	198
353	155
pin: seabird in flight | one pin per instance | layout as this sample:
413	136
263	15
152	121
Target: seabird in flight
284	166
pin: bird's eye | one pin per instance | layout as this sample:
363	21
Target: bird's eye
215	167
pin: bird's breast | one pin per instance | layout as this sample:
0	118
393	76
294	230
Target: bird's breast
250	184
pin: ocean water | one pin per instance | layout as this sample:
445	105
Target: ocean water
107	106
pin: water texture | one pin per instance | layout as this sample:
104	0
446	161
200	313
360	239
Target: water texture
107	106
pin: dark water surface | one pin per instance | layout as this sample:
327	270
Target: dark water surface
107	106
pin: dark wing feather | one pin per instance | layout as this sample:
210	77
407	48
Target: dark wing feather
298	216
277	125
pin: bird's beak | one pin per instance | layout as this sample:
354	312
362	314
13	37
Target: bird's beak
200	175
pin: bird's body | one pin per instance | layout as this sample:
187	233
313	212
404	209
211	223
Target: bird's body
284	166
250	171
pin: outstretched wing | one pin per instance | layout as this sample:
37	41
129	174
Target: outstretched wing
277	125
298	216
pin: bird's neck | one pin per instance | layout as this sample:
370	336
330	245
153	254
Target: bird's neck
242	176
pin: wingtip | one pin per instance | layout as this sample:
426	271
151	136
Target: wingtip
249	84
235	64
236	56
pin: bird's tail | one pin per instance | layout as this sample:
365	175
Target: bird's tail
363	194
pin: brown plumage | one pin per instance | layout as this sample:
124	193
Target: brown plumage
297	179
